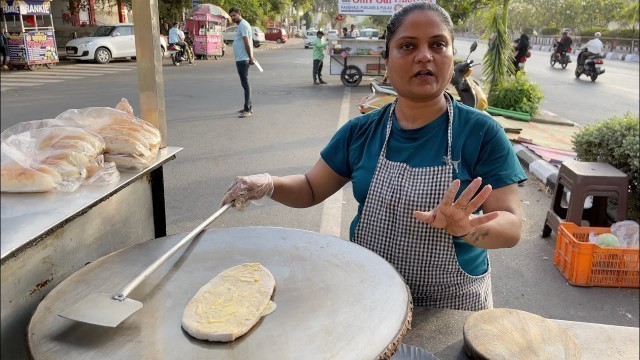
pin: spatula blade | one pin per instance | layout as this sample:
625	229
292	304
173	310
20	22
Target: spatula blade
102	309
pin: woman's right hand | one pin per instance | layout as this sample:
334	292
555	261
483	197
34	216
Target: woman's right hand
246	188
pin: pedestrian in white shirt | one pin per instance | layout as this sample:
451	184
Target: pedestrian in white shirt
593	47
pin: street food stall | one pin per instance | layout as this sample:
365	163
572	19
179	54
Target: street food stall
30	33
353	58
45	237
207	23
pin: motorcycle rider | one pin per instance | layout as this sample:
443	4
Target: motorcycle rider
593	47
521	48
564	44
176	37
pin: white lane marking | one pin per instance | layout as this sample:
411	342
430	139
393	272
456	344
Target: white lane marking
2	88
37	80
331	222
19	84
44	76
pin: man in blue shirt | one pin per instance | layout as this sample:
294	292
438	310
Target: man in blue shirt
243	54
176	36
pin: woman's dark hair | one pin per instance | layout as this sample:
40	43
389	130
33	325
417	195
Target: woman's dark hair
398	18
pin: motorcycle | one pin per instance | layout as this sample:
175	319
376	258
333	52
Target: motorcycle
560	57
468	90
175	50
593	66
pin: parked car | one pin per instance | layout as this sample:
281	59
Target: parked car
278	35
230	35
310	37
333	34
368	33
107	42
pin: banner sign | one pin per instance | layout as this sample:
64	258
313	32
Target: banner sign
41	47
26	7
374	7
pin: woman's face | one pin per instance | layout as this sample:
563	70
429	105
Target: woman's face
420	61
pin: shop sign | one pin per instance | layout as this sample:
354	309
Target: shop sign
26	7
374	7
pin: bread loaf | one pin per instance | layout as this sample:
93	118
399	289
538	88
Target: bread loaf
15	177
229	305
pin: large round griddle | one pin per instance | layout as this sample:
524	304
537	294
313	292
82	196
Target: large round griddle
336	300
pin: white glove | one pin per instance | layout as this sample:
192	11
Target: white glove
247	188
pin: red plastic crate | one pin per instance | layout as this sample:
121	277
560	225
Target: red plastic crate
586	264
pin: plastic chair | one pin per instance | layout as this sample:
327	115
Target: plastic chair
584	179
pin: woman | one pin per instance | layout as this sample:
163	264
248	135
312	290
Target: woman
416	165
521	48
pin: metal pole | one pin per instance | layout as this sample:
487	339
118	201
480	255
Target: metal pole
149	63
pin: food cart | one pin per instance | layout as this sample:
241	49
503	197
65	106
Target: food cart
30	34
206	24
46	237
353	58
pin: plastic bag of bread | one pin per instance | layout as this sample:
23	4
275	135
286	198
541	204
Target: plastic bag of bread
39	135
68	163
130	142
20	173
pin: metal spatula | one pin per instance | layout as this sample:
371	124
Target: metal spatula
111	310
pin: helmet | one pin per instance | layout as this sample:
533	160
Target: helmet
597	34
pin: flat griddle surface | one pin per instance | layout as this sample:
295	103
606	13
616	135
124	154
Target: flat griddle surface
336	300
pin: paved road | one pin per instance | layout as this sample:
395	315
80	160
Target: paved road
293	121
580	100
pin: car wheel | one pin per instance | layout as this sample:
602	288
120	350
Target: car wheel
256	43
279	40
102	55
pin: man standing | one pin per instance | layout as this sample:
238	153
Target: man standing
319	47
176	36
593	47
243	54
354	33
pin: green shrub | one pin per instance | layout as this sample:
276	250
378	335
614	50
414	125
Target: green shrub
518	94
615	141
550	31
590	31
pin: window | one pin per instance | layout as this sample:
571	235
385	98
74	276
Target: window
124	30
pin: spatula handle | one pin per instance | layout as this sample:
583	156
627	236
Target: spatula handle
145	274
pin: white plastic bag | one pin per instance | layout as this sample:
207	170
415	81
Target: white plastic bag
627	233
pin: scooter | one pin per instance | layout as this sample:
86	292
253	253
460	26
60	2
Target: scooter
560	57
468	90
593	66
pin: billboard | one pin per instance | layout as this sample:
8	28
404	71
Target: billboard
374	7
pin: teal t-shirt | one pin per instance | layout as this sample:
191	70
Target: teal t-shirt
478	143
239	50
319	47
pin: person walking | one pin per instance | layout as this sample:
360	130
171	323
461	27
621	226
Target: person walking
243	54
319	48
436	182
4	51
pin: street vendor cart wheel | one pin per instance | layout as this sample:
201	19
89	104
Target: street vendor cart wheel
50	65
351	76
32	67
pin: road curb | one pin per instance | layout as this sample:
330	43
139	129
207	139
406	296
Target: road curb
539	167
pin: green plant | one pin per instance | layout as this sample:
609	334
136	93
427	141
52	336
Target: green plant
551	31
615	141
517	93
498	60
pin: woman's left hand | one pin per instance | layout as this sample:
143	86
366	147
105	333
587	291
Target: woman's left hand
456	216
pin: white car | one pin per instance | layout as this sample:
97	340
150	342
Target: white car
332	34
105	43
310	38
368	34
230	34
